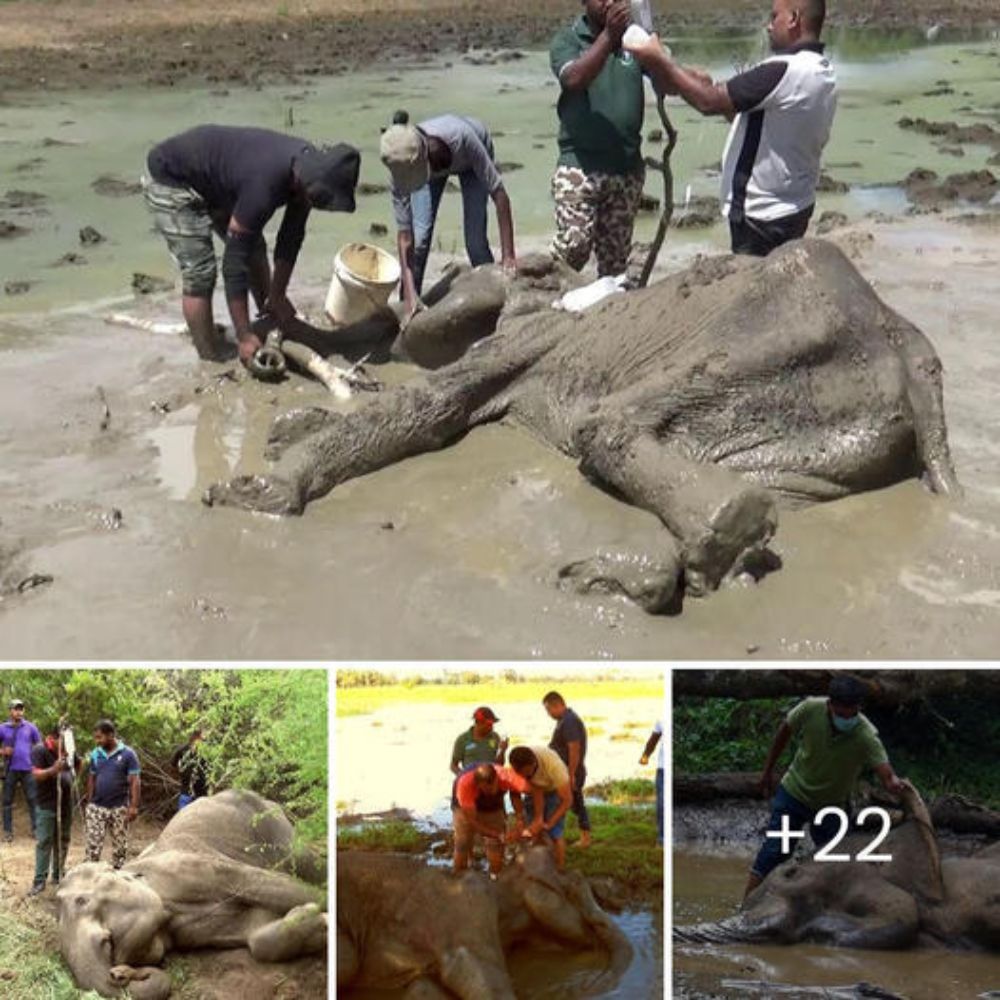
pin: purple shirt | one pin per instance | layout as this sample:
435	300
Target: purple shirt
22	738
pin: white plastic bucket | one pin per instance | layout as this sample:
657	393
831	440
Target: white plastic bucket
363	279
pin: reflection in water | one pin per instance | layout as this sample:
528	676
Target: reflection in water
708	887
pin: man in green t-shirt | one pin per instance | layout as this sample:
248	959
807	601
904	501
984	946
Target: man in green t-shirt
478	744
836	745
599	178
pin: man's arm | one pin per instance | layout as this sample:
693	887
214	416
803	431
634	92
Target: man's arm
505	221
89	794
404	247
134	789
654	739
46	773
585	68
891	782
574	762
286	251
537	810
694	86
240	243
781	738
565	794
480	828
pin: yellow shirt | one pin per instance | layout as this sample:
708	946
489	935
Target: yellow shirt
552	773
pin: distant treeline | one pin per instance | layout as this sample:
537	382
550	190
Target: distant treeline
376	678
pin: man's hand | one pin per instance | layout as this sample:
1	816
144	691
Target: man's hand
509	265
765	786
249	345
616	22
516	833
281	309
536	827
131	815
898	785
644	759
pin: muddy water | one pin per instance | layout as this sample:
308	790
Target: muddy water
453	554
707	887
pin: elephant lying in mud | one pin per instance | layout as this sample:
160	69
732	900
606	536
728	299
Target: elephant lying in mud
917	899
219	876
702	399
400	922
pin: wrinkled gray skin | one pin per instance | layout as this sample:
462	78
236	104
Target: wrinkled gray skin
217	877
401	923
703	399
916	899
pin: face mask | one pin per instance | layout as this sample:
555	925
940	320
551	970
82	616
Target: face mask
845	725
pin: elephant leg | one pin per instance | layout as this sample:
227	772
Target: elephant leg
410	420
718	518
142	983
648	578
923	368
301	931
471	978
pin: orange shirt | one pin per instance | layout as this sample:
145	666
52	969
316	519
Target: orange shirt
467	792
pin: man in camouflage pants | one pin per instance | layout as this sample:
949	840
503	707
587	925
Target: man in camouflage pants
112	794
599	177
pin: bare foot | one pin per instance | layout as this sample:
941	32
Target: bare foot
584	841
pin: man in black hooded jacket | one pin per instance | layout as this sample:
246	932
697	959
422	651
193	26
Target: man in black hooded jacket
230	181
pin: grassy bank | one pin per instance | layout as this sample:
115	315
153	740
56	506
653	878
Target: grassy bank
365	700
623	849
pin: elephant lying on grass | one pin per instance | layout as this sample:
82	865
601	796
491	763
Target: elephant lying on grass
702	399
916	899
219	876
400	922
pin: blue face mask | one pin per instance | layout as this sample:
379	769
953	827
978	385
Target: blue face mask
845	725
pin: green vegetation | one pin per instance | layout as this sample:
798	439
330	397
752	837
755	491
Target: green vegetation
945	747
265	730
30	966
623	791
623	848
363	692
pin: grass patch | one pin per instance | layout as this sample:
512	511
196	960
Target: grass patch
30	965
396	835
624	791
623	848
364	700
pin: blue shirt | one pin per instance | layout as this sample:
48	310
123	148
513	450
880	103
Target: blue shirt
22	738
111	773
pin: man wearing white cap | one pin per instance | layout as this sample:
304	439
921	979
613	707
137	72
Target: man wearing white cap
420	159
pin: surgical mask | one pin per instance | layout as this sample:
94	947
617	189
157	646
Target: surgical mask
845	725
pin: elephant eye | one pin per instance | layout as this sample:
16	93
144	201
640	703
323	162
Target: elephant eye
81	900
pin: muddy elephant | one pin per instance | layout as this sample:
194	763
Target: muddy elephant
915	899
402	923
220	875
703	399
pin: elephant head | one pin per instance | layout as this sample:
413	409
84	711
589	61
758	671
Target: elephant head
111	927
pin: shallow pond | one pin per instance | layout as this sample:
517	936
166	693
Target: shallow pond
708	887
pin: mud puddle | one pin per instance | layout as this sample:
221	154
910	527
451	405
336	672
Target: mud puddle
708	887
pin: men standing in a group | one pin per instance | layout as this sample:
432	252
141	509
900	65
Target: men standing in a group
112	794
656	738
17	737
599	177
479	744
54	775
569	740
782	112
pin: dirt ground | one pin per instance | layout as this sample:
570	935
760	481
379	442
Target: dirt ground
80	44
216	975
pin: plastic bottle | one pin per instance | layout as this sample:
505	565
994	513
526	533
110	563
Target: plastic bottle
642	14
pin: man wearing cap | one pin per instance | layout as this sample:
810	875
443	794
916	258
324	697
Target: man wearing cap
569	740
420	159
230	181
113	788
17	737
546	806
477	807
836	745
54	775
478	744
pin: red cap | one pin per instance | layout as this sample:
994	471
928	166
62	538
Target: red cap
484	714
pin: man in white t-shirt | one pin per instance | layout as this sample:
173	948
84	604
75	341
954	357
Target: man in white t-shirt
782	112
656	737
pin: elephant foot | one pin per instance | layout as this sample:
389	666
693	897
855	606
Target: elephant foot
143	983
301	931
295	426
650	582
266	494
